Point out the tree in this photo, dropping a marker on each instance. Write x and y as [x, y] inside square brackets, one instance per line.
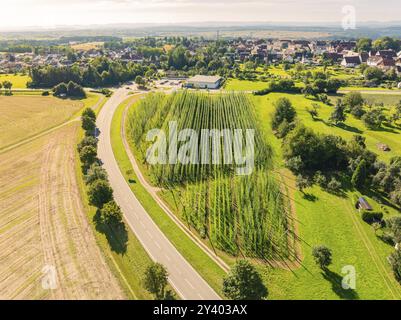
[334, 185]
[75, 90]
[376, 226]
[308, 91]
[386, 43]
[88, 112]
[353, 99]
[302, 183]
[111, 214]
[314, 111]
[88, 156]
[374, 118]
[333, 85]
[319, 86]
[140, 81]
[284, 111]
[338, 114]
[87, 141]
[155, 281]
[99, 193]
[244, 283]
[88, 125]
[364, 44]
[1, 86]
[60, 89]
[360, 175]
[395, 262]
[7, 86]
[373, 73]
[95, 172]
[322, 256]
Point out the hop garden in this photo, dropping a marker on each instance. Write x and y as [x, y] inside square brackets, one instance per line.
[241, 215]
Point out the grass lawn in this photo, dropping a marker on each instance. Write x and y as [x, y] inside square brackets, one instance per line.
[244, 85]
[206, 267]
[332, 220]
[25, 116]
[18, 81]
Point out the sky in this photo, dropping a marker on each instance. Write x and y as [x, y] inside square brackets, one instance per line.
[50, 13]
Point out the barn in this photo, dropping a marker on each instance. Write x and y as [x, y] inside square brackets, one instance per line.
[204, 82]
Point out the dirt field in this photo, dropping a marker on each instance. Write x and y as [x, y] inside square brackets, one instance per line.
[45, 236]
[23, 116]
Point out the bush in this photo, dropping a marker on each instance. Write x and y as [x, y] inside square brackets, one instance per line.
[45, 93]
[372, 216]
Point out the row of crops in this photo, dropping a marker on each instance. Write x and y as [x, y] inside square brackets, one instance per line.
[244, 215]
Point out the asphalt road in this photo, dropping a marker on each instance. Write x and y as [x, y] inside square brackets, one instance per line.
[182, 276]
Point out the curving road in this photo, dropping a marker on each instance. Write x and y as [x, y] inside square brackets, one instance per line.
[182, 276]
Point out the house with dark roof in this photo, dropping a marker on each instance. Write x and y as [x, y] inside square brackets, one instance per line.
[351, 61]
[364, 56]
[387, 54]
[386, 64]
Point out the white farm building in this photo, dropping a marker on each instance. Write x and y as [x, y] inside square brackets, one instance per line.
[204, 82]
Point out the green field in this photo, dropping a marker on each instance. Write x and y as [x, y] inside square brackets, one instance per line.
[332, 221]
[244, 85]
[18, 81]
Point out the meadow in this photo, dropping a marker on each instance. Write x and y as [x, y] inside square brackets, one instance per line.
[332, 220]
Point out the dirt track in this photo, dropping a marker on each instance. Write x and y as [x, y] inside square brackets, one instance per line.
[43, 225]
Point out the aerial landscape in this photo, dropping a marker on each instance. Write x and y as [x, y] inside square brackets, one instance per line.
[174, 151]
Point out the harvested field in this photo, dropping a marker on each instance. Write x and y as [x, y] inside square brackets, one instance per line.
[24, 116]
[44, 227]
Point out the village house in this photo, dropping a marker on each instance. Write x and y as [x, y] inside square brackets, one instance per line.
[386, 64]
[373, 61]
[351, 61]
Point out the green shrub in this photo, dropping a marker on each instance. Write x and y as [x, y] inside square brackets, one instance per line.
[372, 216]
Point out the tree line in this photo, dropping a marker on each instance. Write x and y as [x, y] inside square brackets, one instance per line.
[98, 73]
